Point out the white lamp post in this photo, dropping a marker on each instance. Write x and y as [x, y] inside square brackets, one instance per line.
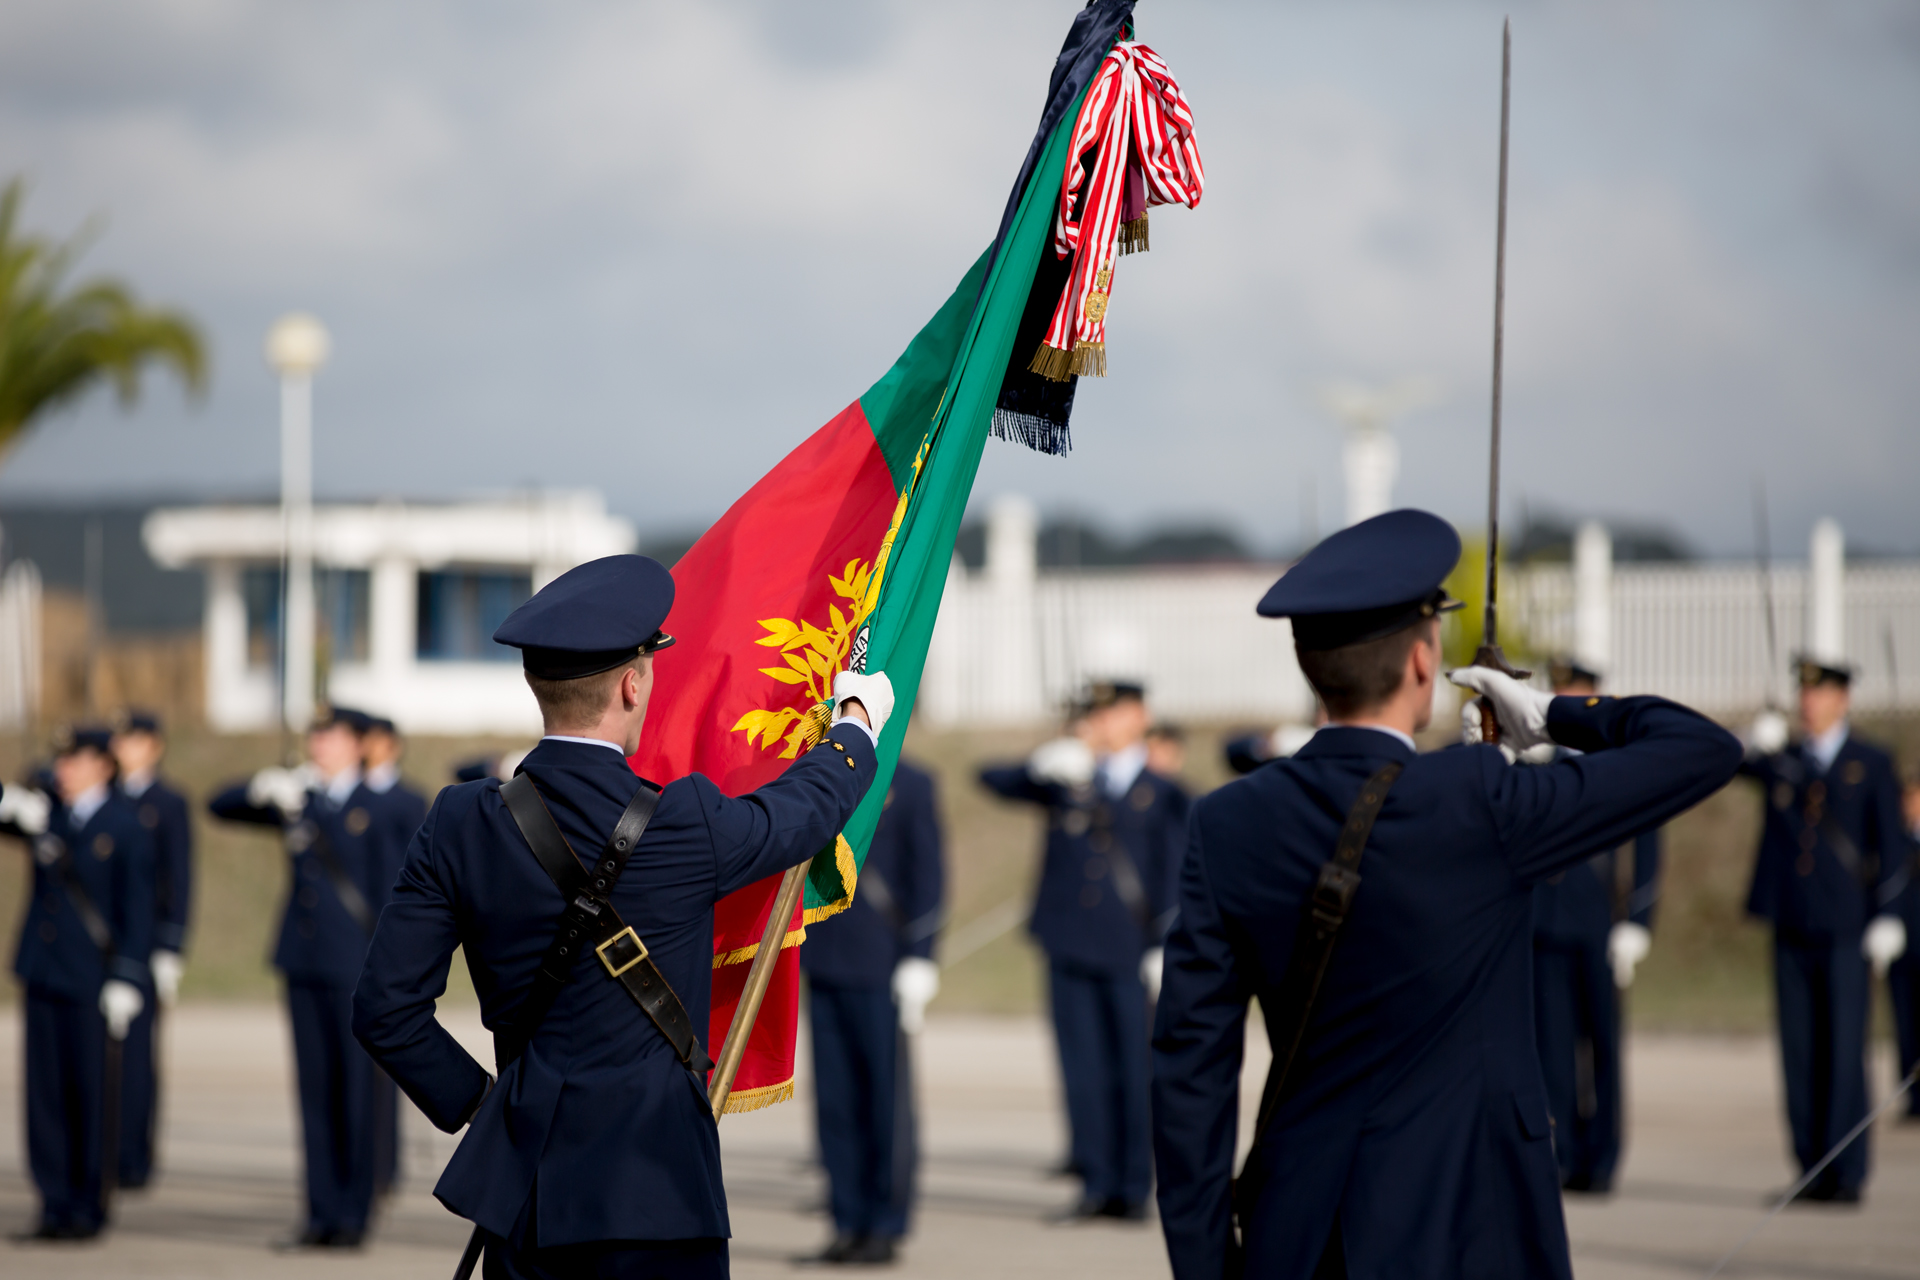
[1372, 456]
[297, 346]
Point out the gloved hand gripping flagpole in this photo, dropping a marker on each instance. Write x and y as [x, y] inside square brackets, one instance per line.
[1489, 653]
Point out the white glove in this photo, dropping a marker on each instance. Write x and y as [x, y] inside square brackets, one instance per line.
[1767, 735]
[1520, 709]
[1470, 730]
[1153, 963]
[875, 692]
[1067, 761]
[916, 980]
[26, 809]
[120, 1003]
[284, 789]
[167, 966]
[1287, 739]
[1884, 942]
[1627, 946]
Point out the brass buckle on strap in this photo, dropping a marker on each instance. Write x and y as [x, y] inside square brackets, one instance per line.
[630, 951]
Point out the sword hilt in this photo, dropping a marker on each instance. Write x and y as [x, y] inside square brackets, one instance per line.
[1492, 657]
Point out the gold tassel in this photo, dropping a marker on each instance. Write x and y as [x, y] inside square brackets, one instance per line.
[1052, 363]
[1133, 235]
[754, 1099]
[1090, 360]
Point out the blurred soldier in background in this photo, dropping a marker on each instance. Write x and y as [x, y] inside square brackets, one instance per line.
[1246, 752]
[397, 815]
[1831, 864]
[501, 766]
[138, 747]
[1167, 749]
[341, 878]
[870, 973]
[1587, 938]
[1106, 898]
[84, 945]
[1403, 1132]
[1903, 979]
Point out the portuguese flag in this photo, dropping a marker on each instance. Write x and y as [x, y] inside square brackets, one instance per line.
[848, 540]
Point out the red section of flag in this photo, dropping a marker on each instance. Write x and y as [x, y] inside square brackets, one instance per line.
[773, 558]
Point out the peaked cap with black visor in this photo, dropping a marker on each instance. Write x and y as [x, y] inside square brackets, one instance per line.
[1368, 581]
[592, 618]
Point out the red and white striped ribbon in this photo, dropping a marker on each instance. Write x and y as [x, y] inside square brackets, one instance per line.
[1137, 122]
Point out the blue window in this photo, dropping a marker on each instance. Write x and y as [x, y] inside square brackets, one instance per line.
[461, 608]
[340, 597]
[260, 588]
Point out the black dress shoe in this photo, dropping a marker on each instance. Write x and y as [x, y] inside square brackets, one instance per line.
[1086, 1210]
[874, 1251]
[47, 1232]
[838, 1253]
[308, 1239]
[1844, 1195]
[342, 1239]
[1124, 1210]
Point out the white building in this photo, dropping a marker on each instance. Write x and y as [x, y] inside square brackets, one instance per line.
[409, 595]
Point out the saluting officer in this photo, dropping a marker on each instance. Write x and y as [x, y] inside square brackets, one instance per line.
[139, 746]
[1105, 900]
[397, 814]
[342, 872]
[596, 1152]
[84, 945]
[1588, 936]
[1829, 872]
[1409, 1136]
[870, 974]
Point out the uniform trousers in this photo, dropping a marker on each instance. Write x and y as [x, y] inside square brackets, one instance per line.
[1903, 992]
[1100, 1022]
[1822, 987]
[1577, 1025]
[704, 1259]
[338, 1117]
[864, 1099]
[139, 1098]
[66, 1068]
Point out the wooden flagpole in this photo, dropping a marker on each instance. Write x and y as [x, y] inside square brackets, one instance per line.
[759, 977]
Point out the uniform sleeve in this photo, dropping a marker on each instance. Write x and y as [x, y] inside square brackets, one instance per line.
[793, 817]
[1013, 782]
[133, 915]
[1169, 849]
[1199, 1037]
[1646, 878]
[232, 805]
[925, 887]
[1643, 761]
[405, 973]
[173, 847]
[1887, 837]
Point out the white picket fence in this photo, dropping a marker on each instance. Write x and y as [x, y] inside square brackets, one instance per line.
[1012, 650]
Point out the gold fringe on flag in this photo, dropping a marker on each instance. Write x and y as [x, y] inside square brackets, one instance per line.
[1090, 359]
[754, 1099]
[1052, 363]
[1133, 235]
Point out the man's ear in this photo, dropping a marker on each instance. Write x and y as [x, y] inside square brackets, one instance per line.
[630, 688]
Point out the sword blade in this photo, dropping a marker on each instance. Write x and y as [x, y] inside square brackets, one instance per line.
[1764, 554]
[1490, 627]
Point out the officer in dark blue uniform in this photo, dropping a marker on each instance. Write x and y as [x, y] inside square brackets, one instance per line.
[397, 813]
[1903, 979]
[870, 973]
[1588, 935]
[596, 1152]
[342, 873]
[1410, 1135]
[1829, 874]
[84, 944]
[139, 746]
[1106, 898]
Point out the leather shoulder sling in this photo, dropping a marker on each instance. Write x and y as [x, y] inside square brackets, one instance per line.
[1321, 916]
[590, 922]
[343, 886]
[54, 854]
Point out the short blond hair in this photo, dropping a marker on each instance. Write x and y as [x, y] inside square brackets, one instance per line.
[579, 703]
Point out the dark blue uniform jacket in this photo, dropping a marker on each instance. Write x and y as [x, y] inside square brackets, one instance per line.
[163, 812]
[1833, 852]
[111, 856]
[1579, 906]
[895, 910]
[1415, 1113]
[597, 1122]
[320, 941]
[1093, 910]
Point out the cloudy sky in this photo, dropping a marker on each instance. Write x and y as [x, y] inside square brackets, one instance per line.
[648, 247]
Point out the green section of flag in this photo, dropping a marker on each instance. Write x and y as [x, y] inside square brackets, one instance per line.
[959, 414]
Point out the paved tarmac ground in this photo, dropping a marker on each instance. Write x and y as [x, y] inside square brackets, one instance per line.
[1706, 1149]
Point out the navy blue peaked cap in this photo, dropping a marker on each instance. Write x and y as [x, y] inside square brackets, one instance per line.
[592, 618]
[82, 737]
[345, 718]
[1367, 581]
